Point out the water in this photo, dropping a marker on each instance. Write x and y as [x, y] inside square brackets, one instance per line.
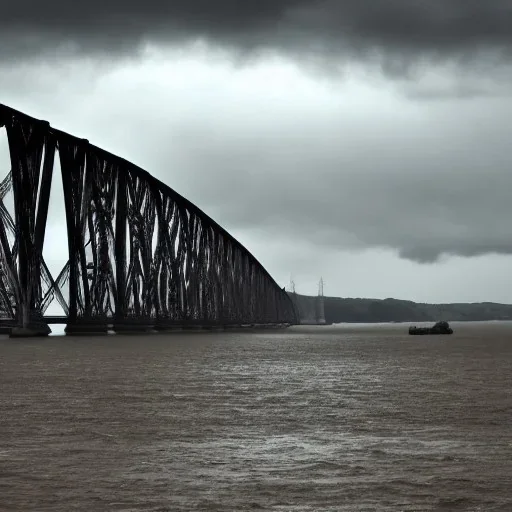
[344, 418]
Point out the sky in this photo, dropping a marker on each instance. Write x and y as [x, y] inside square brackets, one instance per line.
[364, 142]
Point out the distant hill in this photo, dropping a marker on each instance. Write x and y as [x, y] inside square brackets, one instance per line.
[393, 310]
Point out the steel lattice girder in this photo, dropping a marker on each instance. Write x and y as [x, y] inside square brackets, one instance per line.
[138, 250]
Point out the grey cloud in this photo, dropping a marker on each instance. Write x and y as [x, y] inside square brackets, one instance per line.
[436, 29]
[424, 181]
[445, 191]
[419, 220]
[431, 254]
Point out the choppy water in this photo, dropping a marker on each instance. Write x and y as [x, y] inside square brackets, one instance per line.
[310, 419]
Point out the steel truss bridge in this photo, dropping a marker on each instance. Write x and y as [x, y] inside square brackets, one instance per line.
[139, 254]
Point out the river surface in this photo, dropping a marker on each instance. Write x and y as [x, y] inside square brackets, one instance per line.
[342, 418]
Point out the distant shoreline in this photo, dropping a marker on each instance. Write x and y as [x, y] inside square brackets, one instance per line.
[350, 310]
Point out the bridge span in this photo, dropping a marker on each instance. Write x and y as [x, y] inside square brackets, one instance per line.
[139, 253]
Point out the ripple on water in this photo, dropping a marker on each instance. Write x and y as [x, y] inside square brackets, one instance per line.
[308, 419]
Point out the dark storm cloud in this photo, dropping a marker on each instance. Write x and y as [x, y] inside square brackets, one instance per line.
[404, 28]
[336, 168]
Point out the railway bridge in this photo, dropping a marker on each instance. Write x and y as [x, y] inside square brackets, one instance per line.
[139, 255]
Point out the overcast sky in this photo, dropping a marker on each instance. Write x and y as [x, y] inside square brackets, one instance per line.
[367, 142]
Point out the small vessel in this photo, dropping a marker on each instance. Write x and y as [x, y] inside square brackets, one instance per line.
[439, 328]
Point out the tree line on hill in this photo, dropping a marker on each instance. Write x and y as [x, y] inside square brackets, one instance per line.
[393, 310]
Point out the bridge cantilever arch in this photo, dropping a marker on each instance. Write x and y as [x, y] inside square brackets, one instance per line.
[140, 255]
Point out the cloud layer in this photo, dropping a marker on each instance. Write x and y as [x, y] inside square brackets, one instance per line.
[316, 176]
[270, 149]
[399, 29]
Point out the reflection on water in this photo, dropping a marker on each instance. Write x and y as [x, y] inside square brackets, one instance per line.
[329, 418]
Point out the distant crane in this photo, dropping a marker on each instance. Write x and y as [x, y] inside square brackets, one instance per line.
[320, 306]
[292, 284]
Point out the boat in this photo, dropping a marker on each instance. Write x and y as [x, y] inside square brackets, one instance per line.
[438, 328]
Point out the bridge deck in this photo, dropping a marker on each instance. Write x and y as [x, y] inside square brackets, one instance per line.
[53, 320]
[48, 319]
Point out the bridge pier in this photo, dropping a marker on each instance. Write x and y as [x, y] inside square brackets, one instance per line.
[197, 327]
[230, 327]
[29, 324]
[168, 328]
[30, 330]
[83, 328]
[164, 325]
[128, 326]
